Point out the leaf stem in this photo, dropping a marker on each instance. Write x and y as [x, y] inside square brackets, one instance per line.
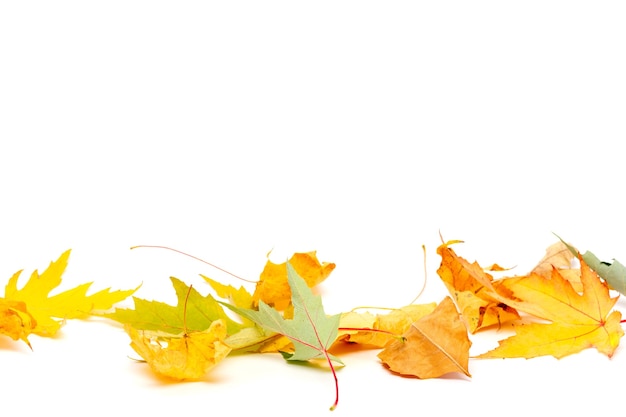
[185, 310]
[368, 329]
[332, 369]
[425, 278]
[194, 257]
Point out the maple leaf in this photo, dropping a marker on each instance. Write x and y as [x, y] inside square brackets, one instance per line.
[273, 286]
[433, 346]
[614, 273]
[578, 320]
[239, 297]
[43, 314]
[193, 312]
[474, 291]
[310, 330]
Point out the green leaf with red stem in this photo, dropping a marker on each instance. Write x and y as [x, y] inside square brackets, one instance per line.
[311, 330]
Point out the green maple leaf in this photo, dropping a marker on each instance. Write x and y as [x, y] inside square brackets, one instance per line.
[201, 311]
[613, 273]
[311, 330]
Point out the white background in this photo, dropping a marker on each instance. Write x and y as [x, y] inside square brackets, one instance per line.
[358, 129]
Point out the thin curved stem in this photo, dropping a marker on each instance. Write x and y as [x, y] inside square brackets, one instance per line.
[196, 258]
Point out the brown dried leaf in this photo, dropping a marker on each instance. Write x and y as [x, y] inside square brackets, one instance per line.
[434, 345]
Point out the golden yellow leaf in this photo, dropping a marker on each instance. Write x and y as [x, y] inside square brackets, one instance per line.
[354, 327]
[475, 292]
[434, 345]
[273, 287]
[188, 356]
[578, 320]
[352, 323]
[15, 321]
[50, 311]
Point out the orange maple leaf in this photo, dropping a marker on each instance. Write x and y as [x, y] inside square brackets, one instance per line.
[474, 290]
[578, 320]
[273, 286]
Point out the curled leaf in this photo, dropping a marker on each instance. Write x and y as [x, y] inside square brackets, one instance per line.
[15, 321]
[474, 291]
[186, 356]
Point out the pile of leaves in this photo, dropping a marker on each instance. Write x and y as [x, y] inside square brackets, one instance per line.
[562, 306]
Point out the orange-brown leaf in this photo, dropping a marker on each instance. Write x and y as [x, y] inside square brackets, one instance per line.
[475, 292]
[434, 345]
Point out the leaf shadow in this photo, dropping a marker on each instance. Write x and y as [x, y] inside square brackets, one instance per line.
[6, 343]
[453, 376]
[158, 380]
[318, 364]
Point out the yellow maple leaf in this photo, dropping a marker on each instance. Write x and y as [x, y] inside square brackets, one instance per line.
[187, 356]
[49, 311]
[433, 346]
[273, 286]
[577, 320]
[474, 290]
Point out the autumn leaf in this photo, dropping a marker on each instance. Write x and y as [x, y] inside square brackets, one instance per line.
[239, 297]
[15, 321]
[434, 345]
[189, 355]
[250, 338]
[379, 330]
[193, 312]
[577, 320]
[614, 273]
[474, 291]
[273, 286]
[559, 256]
[310, 330]
[179, 342]
[42, 313]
